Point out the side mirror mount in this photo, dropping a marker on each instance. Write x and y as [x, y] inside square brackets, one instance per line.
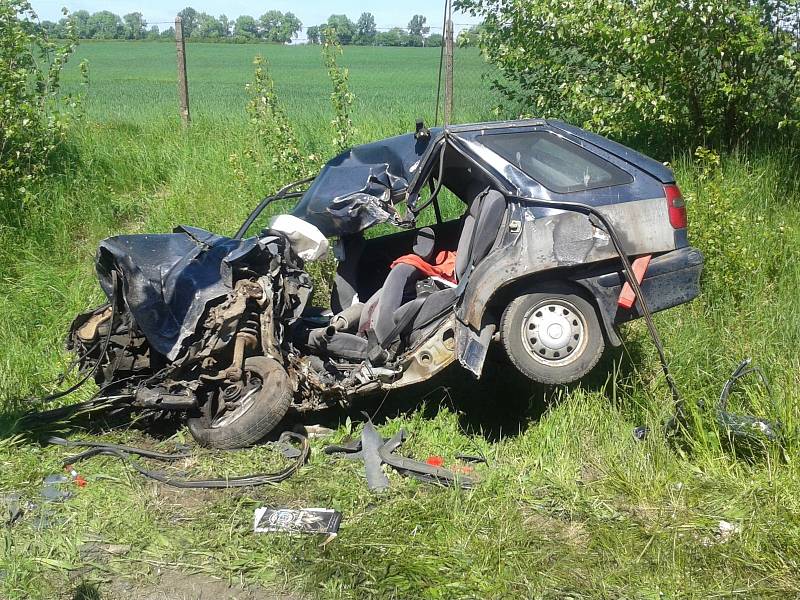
[422, 132]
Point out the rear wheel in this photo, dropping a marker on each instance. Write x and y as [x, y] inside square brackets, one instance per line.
[240, 414]
[552, 336]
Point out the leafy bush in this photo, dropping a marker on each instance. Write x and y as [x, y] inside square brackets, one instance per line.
[711, 72]
[744, 250]
[341, 96]
[34, 116]
[271, 125]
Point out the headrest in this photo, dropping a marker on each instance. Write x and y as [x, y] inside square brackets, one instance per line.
[424, 242]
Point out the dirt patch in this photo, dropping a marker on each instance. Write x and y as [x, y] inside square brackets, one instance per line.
[572, 533]
[177, 585]
[183, 502]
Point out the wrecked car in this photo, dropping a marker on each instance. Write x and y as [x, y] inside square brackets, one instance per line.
[222, 329]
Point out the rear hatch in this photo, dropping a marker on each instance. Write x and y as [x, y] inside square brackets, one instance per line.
[645, 163]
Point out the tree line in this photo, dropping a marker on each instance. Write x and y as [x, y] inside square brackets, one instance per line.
[273, 26]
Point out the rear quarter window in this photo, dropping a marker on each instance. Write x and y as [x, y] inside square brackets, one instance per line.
[556, 163]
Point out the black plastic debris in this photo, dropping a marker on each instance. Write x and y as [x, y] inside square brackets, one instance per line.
[376, 451]
[371, 443]
[744, 433]
[293, 446]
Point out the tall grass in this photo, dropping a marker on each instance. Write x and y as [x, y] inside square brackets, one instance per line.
[569, 504]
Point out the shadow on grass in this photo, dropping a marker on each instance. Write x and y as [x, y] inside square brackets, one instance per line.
[502, 403]
[87, 591]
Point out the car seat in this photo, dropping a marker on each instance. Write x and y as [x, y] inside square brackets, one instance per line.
[392, 304]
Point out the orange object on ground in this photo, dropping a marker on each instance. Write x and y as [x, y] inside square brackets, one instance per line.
[626, 296]
[435, 461]
[444, 265]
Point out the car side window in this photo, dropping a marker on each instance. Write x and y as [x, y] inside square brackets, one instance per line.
[555, 162]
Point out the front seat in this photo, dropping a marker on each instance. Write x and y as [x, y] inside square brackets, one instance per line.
[479, 232]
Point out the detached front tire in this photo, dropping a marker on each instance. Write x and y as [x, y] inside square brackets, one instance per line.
[250, 412]
[552, 336]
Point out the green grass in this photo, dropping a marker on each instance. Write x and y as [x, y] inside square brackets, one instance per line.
[135, 82]
[569, 504]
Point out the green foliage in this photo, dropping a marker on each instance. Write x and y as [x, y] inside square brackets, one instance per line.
[365, 30]
[341, 96]
[34, 115]
[246, 27]
[273, 26]
[279, 27]
[340, 27]
[470, 38]
[713, 72]
[743, 249]
[313, 35]
[105, 25]
[189, 20]
[417, 27]
[271, 125]
[135, 26]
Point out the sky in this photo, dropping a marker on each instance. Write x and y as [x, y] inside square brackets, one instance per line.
[310, 12]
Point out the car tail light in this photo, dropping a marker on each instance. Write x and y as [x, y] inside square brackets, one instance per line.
[676, 206]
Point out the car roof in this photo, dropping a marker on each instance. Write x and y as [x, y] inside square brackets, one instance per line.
[356, 189]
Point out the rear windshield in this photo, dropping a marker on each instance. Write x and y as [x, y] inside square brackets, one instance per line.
[554, 162]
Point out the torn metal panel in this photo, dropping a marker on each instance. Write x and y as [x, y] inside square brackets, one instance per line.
[534, 246]
[170, 279]
[358, 188]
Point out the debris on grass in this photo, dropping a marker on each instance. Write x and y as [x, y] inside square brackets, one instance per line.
[306, 520]
[12, 508]
[376, 451]
[51, 492]
[725, 531]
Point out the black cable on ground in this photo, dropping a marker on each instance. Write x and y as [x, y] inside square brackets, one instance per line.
[106, 341]
[124, 454]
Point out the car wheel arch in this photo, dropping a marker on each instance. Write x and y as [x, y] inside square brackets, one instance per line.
[506, 294]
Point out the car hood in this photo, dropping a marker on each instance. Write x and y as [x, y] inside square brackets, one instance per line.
[168, 280]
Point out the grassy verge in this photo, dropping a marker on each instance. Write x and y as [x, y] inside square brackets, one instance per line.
[569, 504]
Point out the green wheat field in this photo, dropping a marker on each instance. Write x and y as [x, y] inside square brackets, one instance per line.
[569, 504]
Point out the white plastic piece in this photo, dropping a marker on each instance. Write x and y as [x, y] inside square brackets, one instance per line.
[307, 241]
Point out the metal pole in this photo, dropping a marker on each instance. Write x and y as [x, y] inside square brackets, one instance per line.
[183, 83]
[448, 68]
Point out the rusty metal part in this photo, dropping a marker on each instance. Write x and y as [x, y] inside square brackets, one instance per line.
[244, 339]
[429, 358]
[223, 321]
[88, 331]
[269, 342]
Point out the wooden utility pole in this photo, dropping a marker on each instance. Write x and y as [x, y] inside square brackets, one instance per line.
[183, 83]
[448, 66]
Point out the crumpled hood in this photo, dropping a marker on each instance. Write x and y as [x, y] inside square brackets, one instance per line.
[168, 280]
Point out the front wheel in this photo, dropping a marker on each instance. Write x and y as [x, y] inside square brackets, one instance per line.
[552, 336]
[240, 414]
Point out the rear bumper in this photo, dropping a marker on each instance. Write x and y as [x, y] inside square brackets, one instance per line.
[671, 279]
